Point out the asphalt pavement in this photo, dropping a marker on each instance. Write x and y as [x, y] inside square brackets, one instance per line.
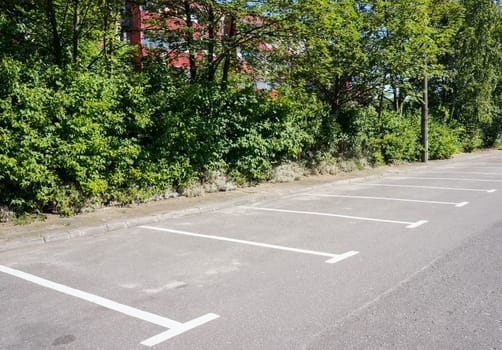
[406, 258]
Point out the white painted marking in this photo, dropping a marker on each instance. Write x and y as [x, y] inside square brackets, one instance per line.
[333, 257]
[389, 199]
[342, 257]
[471, 167]
[445, 178]
[175, 326]
[106, 303]
[407, 223]
[418, 223]
[466, 172]
[432, 187]
[162, 337]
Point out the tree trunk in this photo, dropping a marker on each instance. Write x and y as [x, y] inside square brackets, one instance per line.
[211, 69]
[380, 104]
[107, 43]
[76, 31]
[189, 40]
[56, 39]
[396, 99]
[228, 54]
[424, 121]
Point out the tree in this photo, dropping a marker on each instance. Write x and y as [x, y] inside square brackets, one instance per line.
[330, 62]
[475, 67]
[404, 42]
[214, 35]
[59, 32]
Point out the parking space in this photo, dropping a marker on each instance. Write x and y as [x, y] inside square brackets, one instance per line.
[474, 167]
[467, 173]
[416, 191]
[391, 199]
[78, 309]
[332, 258]
[268, 275]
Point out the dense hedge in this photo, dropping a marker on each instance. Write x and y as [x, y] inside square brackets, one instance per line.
[69, 139]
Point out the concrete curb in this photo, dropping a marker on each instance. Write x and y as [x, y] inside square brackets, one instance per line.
[111, 226]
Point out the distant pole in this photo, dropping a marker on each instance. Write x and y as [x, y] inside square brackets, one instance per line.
[425, 118]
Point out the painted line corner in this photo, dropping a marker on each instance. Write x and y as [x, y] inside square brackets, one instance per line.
[184, 327]
[341, 257]
[417, 224]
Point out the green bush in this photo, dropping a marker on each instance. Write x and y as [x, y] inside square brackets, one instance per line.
[27, 142]
[241, 130]
[443, 140]
[391, 137]
[73, 138]
[66, 137]
[384, 138]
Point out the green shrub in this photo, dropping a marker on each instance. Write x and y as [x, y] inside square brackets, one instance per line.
[66, 137]
[74, 138]
[246, 130]
[391, 137]
[384, 138]
[443, 140]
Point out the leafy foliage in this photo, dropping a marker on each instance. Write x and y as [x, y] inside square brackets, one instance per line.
[82, 124]
[71, 136]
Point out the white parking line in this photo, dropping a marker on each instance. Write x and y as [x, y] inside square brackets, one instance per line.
[466, 172]
[162, 337]
[407, 223]
[175, 327]
[433, 187]
[471, 167]
[334, 258]
[445, 178]
[458, 205]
